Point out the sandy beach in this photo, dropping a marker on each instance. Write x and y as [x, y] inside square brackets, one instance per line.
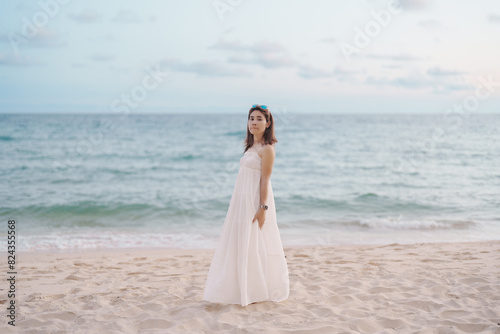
[395, 288]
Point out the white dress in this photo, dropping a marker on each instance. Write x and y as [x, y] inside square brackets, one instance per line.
[249, 263]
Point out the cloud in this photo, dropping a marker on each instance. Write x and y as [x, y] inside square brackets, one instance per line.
[414, 4]
[208, 68]
[392, 66]
[494, 18]
[126, 16]
[264, 53]
[452, 86]
[440, 84]
[267, 47]
[329, 40]
[27, 7]
[272, 55]
[258, 47]
[430, 24]
[409, 82]
[17, 60]
[86, 16]
[436, 71]
[120, 70]
[273, 61]
[225, 45]
[264, 60]
[229, 30]
[310, 72]
[108, 37]
[400, 57]
[102, 57]
[46, 38]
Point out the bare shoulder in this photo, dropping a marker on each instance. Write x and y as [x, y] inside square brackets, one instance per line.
[268, 150]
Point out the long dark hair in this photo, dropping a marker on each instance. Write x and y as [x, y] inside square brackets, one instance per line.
[268, 136]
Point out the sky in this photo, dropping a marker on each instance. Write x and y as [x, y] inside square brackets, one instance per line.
[222, 56]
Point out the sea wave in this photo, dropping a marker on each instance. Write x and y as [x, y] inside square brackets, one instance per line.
[412, 224]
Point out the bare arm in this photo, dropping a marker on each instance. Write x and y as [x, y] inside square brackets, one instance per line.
[268, 155]
[267, 167]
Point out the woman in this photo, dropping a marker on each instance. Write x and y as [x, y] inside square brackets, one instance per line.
[249, 263]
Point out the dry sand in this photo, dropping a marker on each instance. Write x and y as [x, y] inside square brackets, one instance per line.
[417, 288]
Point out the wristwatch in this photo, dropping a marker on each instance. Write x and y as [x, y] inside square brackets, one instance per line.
[263, 206]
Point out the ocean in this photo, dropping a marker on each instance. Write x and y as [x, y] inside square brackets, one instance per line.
[74, 182]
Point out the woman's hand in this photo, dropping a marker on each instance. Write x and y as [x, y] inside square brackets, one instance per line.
[260, 216]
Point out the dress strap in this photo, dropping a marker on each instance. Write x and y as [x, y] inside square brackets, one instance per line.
[260, 148]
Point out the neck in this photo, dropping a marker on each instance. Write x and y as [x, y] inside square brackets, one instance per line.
[257, 140]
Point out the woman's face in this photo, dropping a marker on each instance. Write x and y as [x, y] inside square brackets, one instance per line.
[257, 122]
